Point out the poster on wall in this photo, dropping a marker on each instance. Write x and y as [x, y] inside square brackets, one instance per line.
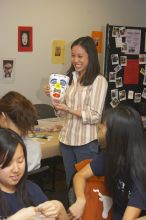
[7, 72]
[97, 37]
[58, 47]
[25, 43]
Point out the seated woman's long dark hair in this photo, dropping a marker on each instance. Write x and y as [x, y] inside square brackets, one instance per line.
[126, 148]
[9, 141]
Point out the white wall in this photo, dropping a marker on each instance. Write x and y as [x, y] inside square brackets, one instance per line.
[54, 20]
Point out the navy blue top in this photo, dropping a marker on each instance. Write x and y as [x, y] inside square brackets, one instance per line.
[136, 196]
[35, 193]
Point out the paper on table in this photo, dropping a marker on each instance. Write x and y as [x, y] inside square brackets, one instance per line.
[51, 123]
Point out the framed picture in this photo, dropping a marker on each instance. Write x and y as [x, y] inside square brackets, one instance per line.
[7, 70]
[25, 39]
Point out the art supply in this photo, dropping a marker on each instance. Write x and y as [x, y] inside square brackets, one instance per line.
[58, 85]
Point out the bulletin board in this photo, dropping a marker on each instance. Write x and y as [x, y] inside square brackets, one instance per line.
[125, 66]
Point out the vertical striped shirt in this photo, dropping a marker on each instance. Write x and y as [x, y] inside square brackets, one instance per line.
[90, 101]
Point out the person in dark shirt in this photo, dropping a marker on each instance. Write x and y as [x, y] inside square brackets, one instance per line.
[16, 192]
[123, 163]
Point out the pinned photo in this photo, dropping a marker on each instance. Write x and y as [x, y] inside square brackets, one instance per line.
[115, 32]
[114, 59]
[114, 103]
[144, 80]
[137, 98]
[123, 60]
[144, 93]
[118, 41]
[143, 70]
[119, 82]
[114, 93]
[112, 76]
[130, 94]
[122, 95]
[142, 58]
[124, 47]
[117, 68]
[122, 31]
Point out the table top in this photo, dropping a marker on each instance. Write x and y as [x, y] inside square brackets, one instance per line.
[47, 134]
[50, 146]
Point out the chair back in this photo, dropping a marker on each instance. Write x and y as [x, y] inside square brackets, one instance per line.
[45, 111]
[97, 197]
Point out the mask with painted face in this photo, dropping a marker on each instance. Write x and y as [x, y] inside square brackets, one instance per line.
[58, 85]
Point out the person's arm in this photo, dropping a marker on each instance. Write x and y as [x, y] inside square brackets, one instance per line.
[65, 108]
[136, 202]
[24, 214]
[142, 218]
[97, 101]
[131, 213]
[79, 182]
[53, 209]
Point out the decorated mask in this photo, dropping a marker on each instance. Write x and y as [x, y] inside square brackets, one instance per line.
[58, 85]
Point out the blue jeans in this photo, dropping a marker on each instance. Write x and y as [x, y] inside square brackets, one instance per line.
[74, 154]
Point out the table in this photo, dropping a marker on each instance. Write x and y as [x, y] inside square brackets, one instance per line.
[49, 129]
[50, 146]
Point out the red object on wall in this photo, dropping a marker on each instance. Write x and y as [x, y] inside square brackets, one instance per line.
[25, 39]
[131, 72]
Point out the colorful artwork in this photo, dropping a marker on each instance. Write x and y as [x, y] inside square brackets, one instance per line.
[58, 85]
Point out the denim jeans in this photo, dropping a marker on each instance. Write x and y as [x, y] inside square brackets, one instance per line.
[74, 154]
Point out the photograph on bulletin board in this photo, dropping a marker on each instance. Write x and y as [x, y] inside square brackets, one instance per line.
[25, 39]
[97, 37]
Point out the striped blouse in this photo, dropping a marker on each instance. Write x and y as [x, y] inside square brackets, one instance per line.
[90, 101]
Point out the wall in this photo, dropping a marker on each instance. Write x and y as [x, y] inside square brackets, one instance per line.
[54, 20]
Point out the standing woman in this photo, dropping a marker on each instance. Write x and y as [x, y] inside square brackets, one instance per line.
[83, 105]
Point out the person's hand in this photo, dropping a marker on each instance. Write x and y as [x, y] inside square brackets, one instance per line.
[50, 208]
[60, 106]
[24, 214]
[76, 210]
[47, 89]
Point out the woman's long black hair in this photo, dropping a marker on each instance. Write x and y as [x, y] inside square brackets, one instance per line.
[9, 141]
[93, 69]
[126, 148]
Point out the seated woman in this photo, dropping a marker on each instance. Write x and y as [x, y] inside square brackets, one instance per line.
[19, 114]
[16, 192]
[123, 163]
